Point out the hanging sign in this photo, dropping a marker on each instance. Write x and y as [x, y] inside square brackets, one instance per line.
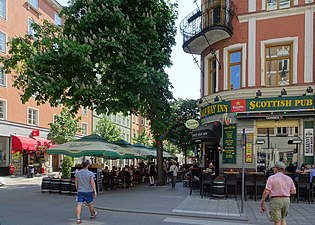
[191, 124]
[308, 142]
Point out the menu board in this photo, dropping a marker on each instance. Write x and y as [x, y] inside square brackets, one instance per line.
[229, 144]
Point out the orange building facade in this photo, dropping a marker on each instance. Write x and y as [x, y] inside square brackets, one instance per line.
[257, 81]
[24, 127]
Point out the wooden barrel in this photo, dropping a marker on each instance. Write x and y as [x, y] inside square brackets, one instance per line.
[65, 186]
[218, 188]
[46, 184]
[55, 185]
[73, 188]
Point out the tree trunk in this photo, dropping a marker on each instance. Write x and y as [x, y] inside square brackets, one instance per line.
[159, 153]
[185, 153]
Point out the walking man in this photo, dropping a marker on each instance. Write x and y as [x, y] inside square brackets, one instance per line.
[279, 187]
[174, 170]
[84, 182]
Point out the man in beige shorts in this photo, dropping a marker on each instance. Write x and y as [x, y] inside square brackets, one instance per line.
[279, 187]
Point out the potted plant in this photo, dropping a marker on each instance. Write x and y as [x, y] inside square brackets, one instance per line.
[66, 165]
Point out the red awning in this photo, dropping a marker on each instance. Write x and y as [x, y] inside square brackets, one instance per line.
[30, 144]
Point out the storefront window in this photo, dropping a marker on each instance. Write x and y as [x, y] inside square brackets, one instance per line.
[4, 151]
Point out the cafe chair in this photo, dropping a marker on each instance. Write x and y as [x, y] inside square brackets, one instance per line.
[106, 181]
[260, 184]
[231, 184]
[195, 182]
[303, 188]
[249, 185]
[206, 184]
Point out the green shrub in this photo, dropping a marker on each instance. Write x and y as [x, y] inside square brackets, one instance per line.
[66, 165]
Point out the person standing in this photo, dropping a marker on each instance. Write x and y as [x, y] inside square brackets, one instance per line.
[86, 190]
[174, 169]
[152, 173]
[279, 187]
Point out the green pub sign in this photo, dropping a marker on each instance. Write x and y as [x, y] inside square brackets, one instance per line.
[229, 144]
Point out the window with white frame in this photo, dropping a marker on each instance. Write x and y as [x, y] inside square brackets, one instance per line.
[30, 29]
[84, 128]
[278, 61]
[84, 111]
[128, 122]
[55, 118]
[234, 69]
[278, 4]
[3, 8]
[57, 19]
[2, 109]
[33, 3]
[2, 42]
[2, 77]
[127, 137]
[212, 75]
[32, 116]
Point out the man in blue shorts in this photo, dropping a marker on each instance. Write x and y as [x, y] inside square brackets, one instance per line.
[84, 182]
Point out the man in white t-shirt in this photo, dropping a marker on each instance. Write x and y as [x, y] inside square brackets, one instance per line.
[174, 169]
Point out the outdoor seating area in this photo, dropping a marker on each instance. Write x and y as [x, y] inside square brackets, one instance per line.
[229, 185]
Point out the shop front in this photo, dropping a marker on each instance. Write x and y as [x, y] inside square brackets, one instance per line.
[279, 128]
[26, 151]
[207, 138]
[4, 155]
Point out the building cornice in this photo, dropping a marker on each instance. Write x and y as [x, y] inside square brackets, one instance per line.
[264, 15]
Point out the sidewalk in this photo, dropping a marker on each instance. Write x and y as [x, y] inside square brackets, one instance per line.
[163, 200]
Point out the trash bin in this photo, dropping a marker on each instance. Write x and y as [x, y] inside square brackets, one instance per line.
[30, 173]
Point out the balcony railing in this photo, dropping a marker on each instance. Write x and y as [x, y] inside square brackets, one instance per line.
[206, 17]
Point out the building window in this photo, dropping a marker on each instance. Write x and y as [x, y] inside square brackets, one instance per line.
[278, 4]
[84, 111]
[234, 69]
[55, 118]
[128, 122]
[32, 116]
[278, 65]
[142, 121]
[2, 42]
[84, 128]
[33, 3]
[30, 29]
[128, 137]
[212, 76]
[282, 131]
[2, 77]
[57, 19]
[2, 109]
[3, 8]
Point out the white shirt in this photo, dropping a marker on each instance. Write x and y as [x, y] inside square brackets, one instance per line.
[174, 168]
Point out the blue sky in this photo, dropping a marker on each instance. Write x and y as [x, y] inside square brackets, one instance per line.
[184, 74]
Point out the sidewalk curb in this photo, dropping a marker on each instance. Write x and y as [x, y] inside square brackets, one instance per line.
[220, 217]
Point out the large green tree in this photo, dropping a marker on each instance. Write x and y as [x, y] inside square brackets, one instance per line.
[107, 129]
[110, 55]
[178, 133]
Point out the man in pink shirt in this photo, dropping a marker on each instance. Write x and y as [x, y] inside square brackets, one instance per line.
[279, 187]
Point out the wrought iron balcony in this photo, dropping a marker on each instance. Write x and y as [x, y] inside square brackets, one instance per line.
[210, 23]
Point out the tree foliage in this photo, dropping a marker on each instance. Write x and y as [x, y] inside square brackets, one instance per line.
[178, 133]
[108, 130]
[64, 128]
[109, 55]
[142, 138]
